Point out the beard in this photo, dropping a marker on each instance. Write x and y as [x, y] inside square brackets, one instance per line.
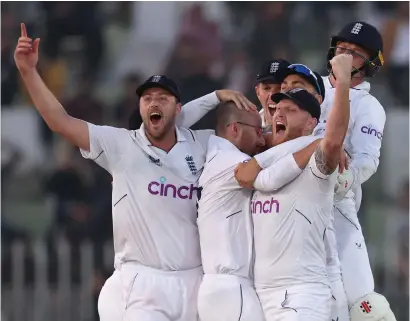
[158, 132]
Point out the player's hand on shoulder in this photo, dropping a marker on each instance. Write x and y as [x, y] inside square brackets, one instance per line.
[342, 67]
[225, 95]
[26, 53]
[246, 173]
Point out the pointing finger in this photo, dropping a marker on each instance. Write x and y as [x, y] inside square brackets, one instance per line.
[23, 30]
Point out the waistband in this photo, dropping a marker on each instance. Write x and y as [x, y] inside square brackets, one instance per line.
[141, 269]
[228, 279]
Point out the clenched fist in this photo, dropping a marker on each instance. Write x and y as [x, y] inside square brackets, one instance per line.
[342, 67]
[26, 53]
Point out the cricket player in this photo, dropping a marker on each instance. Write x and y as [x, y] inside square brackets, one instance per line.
[289, 223]
[155, 171]
[300, 76]
[363, 142]
[224, 222]
[268, 82]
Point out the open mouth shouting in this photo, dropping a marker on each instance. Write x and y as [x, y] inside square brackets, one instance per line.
[280, 128]
[155, 117]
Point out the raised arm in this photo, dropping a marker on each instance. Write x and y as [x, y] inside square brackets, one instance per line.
[53, 113]
[327, 155]
[193, 111]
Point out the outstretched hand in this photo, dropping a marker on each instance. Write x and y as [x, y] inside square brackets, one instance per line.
[26, 53]
[225, 95]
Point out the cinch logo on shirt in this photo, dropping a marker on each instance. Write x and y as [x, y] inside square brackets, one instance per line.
[270, 206]
[170, 190]
[371, 131]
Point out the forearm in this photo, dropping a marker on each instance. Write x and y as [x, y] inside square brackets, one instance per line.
[44, 101]
[328, 153]
[193, 111]
[277, 175]
[54, 114]
[273, 154]
[338, 121]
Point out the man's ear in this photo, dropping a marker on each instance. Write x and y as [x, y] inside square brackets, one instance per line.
[312, 123]
[178, 108]
[257, 90]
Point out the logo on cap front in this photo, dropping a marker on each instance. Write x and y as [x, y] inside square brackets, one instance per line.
[274, 66]
[156, 78]
[295, 90]
[356, 28]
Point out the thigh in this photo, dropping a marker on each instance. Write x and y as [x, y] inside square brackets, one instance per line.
[357, 275]
[189, 298]
[339, 307]
[311, 303]
[110, 302]
[219, 302]
[251, 309]
[274, 305]
[150, 297]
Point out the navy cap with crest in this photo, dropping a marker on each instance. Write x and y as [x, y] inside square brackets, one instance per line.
[302, 98]
[272, 71]
[160, 81]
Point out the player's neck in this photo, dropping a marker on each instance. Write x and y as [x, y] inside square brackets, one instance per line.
[166, 142]
[355, 81]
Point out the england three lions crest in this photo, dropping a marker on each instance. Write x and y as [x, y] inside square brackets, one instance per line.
[191, 164]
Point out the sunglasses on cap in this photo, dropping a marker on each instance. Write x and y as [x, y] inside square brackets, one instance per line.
[302, 69]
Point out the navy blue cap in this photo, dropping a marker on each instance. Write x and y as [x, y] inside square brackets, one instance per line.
[302, 98]
[272, 71]
[160, 81]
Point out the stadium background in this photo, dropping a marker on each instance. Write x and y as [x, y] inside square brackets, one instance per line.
[56, 207]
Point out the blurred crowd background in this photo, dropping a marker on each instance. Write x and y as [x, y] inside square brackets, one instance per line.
[56, 228]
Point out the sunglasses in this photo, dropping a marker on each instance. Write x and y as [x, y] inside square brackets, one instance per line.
[302, 69]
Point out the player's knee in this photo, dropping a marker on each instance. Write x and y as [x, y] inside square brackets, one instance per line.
[372, 307]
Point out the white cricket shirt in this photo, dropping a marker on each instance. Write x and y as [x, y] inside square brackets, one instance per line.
[289, 226]
[364, 135]
[224, 221]
[154, 195]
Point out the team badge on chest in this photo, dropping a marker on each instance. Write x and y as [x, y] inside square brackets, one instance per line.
[191, 164]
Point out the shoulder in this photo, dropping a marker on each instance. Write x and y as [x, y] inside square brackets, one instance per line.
[195, 136]
[368, 104]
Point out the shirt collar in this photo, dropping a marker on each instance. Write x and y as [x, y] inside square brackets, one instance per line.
[216, 143]
[180, 135]
[365, 85]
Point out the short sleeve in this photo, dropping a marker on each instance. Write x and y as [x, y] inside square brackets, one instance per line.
[106, 145]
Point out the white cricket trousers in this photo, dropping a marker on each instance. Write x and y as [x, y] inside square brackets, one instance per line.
[339, 307]
[135, 292]
[357, 274]
[224, 297]
[307, 302]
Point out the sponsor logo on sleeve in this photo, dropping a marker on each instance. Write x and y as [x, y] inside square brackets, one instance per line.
[369, 130]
